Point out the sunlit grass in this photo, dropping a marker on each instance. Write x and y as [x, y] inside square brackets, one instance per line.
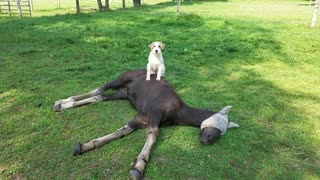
[267, 71]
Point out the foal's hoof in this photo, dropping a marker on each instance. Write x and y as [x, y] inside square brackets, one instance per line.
[136, 174]
[77, 149]
[57, 106]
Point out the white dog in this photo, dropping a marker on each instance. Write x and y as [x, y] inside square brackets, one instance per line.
[155, 61]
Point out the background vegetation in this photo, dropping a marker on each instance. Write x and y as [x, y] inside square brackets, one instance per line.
[261, 58]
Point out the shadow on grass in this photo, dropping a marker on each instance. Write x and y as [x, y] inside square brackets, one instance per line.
[208, 62]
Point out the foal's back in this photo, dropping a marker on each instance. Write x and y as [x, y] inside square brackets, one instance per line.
[154, 95]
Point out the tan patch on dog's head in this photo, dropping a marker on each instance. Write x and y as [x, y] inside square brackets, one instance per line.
[157, 44]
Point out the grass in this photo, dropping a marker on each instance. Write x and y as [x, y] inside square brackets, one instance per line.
[268, 71]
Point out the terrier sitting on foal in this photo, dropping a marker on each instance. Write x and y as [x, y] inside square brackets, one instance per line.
[155, 61]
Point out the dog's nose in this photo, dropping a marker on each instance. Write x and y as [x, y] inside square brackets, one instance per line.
[156, 51]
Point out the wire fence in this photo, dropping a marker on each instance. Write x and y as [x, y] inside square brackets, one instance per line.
[57, 4]
[297, 12]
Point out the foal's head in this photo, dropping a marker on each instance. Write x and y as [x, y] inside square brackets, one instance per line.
[216, 125]
[209, 135]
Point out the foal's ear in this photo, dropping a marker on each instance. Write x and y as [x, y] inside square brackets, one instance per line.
[233, 125]
[225, 110]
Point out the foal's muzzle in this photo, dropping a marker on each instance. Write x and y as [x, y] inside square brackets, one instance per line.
[209, 135]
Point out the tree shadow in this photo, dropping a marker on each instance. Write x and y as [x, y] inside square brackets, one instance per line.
[208, 62]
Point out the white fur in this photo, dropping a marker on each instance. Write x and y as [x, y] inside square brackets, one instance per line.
[155, 61]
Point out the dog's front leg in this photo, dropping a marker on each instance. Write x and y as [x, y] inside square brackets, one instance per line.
[160, 72]
[148, 71]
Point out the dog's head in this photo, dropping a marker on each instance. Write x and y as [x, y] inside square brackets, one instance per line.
[157, 47]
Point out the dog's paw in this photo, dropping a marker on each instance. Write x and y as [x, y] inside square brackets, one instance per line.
[158, 79]
[148, 79]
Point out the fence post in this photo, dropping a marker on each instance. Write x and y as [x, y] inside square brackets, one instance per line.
[315, 14]
[58, 4]
[9, 8]
[31, 4]
[19, 8]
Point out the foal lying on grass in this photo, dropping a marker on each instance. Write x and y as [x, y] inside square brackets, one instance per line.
[157, 104]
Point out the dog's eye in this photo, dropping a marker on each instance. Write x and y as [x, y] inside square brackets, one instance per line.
[159, 46]
[154, 45]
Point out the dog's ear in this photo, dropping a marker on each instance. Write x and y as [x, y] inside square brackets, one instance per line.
[151, 45]
[162, 45]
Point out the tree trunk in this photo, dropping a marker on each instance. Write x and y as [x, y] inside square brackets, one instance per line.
[178, 7]
[106, 7]
[123, 3]
[19, 8]
[137, 2]
[315, 14]
[78, 6]
[99, 5]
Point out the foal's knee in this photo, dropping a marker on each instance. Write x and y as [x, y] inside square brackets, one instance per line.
[97, 91]
[153, 132]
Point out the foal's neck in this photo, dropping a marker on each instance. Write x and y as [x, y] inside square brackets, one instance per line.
[190, 116]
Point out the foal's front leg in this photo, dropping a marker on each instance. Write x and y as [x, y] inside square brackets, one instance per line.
[141, 161]
[96, 143]
[136, 123]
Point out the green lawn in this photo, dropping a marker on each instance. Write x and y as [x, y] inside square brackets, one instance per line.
[261, 58]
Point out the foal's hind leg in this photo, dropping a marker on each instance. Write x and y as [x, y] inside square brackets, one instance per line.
[141, 161]
[88, 98]
[68, 103]
[93, 96]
